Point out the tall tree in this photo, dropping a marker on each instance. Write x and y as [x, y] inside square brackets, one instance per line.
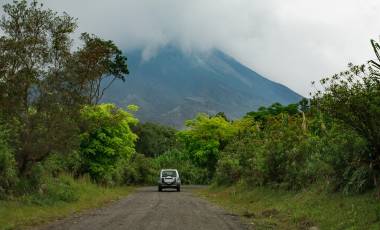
[97, 65]
[43, 84]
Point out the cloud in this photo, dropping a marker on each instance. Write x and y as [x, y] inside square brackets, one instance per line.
[289, 41]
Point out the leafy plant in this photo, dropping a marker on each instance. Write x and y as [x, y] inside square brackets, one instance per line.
[107, 141]
[154, 139]
[203, 139]
[8, 172]
[353, 98]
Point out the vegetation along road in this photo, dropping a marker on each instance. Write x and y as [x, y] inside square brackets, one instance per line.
[149, 209]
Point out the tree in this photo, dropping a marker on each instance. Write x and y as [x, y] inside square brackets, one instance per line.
[43, 84]
[97, 65]
[33, 51]
[107, 141]
[263, 113]
[35, 47]
[154, 139]
[222, 115]
[304, 105]
[204, 138]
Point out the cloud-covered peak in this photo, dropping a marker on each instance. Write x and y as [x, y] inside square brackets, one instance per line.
[290, 41]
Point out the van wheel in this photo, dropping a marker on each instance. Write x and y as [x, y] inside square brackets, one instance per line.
[178, 188]
[159, 189]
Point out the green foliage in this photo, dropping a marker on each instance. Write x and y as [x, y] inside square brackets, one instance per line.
[133, 108]
[57, 164]
[140, 170]
[33, 181]
[33, 49]
[99, 63]
[203, 139]
[44, 84]
[353, 99]
[8, 173]
[275, 109]
[375, 65]
[290, 152]
[278, 154]
[222, 115]
[53, 190]
[107, 141]
[228, 170]
[342, 149]
[154, 139]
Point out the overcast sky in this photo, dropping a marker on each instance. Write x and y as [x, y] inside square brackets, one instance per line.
[289, 41]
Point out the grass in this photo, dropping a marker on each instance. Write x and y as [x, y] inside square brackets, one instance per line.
[23, 212]
[266, 208]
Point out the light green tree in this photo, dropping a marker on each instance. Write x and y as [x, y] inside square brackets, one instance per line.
[204, 137]
[107, 142]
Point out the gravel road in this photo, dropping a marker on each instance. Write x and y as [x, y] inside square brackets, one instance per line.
[148, 209]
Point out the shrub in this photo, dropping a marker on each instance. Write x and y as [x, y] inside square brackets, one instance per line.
[8, 172]
[344, 150]
[228, 170]
[140, 170]
[278, 154]
[53, 190]
[33, 181]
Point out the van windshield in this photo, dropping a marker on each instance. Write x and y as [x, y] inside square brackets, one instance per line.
[171, 173]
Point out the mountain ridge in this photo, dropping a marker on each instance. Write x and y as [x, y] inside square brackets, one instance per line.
[173, 86]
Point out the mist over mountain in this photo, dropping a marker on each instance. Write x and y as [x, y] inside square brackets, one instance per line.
[173, 86]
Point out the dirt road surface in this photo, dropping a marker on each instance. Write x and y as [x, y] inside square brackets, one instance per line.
[147, 209]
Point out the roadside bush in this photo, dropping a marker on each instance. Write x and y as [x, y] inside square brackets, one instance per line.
[290, 152]
[57, 164]
[42, 188]
[33, 181]
[140, 170]
[278, 154]
[191, 174]
[55, 189]
[345, 151]
[8, 172]
[228, 170]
